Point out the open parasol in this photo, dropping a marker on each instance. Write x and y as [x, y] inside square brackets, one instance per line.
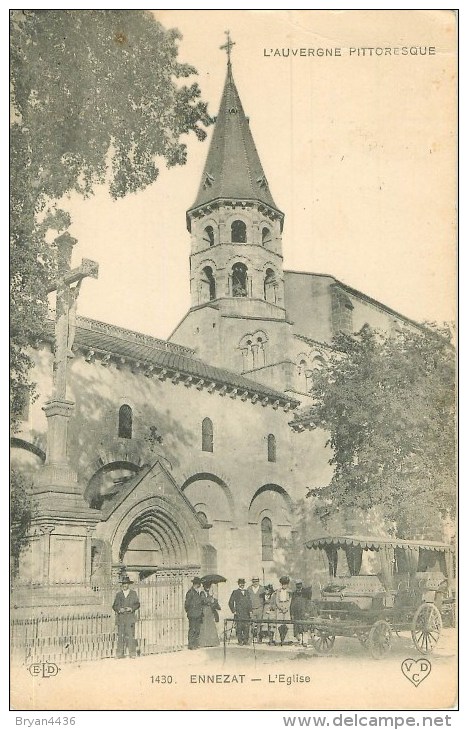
[213, 578]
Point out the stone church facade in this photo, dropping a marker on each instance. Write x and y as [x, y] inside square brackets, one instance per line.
[187, 453]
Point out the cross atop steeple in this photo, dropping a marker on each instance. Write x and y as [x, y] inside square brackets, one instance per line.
[227, 46]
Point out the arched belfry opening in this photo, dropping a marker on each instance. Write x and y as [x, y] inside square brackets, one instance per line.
[238, 232]
[266, 236]
[270, 286]
[209, 236]
[239, 280]
[207, 285]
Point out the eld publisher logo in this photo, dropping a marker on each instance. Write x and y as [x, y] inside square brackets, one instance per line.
[44, 669]
[416, 670]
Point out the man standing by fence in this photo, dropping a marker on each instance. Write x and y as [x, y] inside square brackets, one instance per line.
[125, 604]
[195, 599]
[241, 606]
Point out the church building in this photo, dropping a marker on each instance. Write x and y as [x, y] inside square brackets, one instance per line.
[189, 454]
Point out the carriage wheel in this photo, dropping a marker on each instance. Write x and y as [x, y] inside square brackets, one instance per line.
[426, 627]
[379, 640]
[323, 642]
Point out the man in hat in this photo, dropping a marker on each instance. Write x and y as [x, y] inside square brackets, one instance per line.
[241, 606]
[300, 610]
[125, 604]
[195, 599]
[257, 599]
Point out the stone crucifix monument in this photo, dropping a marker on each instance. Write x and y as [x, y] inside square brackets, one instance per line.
[57, 472]
[63, 524]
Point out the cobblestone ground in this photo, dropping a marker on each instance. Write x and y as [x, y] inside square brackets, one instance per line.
[287, 678]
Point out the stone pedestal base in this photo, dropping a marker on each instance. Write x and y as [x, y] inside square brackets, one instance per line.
[59, 550]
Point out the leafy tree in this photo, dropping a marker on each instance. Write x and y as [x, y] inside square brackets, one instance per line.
[21, 514]
[388, 403]
[97, 96]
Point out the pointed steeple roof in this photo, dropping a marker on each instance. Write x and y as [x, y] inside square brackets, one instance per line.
[233, 169]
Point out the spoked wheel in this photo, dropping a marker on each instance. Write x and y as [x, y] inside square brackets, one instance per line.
[323, 642]
[426, 628]
[379, 641]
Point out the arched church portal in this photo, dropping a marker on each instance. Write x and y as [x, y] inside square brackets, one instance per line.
[154, 539]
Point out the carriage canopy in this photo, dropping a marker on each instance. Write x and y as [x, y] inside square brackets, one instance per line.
[396, 556]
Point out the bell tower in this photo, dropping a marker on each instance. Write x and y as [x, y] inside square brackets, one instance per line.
[237, 317]
[235, 225]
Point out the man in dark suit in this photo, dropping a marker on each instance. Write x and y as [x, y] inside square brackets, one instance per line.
[300, 610]
[241, 606]
[125, 604]
[195, 599]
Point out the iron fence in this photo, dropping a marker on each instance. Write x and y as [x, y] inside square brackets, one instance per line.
[56, 624]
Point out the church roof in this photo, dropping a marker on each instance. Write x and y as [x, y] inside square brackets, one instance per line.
[165, 360]
[233, 169]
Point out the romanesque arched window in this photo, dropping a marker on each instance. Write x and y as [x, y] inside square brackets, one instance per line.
[267, 539]
[318, 362]
[239, 280]
[238, 232]
[259, 354]
[247, 354]
[208, 235]
[254, 350]
[266, 236]
[269, 286]
[207, 285]
[271, 447]
[125, 422]
[207, 434]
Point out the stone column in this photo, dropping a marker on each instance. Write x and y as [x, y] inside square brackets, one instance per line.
[57, 473]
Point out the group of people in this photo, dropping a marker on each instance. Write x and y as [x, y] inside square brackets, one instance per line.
[258, 611]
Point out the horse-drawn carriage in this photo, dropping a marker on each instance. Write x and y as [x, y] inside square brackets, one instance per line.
[390, 586]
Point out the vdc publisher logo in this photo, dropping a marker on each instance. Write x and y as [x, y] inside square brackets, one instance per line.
[416, 670]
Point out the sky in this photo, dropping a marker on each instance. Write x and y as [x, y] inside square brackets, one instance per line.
[359, 152]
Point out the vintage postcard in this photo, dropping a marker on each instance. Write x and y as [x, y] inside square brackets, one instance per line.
[234, 292]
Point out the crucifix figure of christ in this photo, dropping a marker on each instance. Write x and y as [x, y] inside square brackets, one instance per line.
[67, 285]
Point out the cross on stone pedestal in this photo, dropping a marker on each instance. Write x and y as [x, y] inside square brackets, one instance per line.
[56, 473]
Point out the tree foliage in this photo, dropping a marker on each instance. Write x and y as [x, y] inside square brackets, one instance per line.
[97, 96]
[388, 403]
[21, 514]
